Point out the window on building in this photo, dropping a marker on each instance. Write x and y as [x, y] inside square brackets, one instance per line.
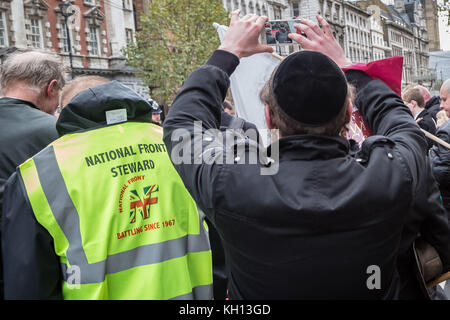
[251, 8]
[228, 5]
[337, 13]
[243, 8]
[64, 38]
[3, 34]
[129, 35]
[258, 9]
[277, 12]
[35, 33]
[126, 4]
[295, 9]
[93, 40]
[264, 11]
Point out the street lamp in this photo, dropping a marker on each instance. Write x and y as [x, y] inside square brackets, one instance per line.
[66, 13]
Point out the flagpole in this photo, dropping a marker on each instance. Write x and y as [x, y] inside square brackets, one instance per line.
[433, 137]
[436, 139]
[440, 279]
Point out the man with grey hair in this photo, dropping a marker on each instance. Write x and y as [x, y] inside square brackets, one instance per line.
[440, 157]
[439, 154]
[30, 84]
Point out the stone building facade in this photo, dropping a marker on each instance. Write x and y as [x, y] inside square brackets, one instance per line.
[98, 30]
[405, 34]
[367, 30]
[432, 24]
[358, 44]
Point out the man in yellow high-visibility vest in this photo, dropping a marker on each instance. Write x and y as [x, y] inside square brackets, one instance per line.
[101, 213]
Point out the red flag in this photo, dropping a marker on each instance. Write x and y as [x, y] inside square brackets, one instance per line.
[389, 71]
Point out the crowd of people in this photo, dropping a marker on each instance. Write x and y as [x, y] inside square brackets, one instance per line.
[112, 199]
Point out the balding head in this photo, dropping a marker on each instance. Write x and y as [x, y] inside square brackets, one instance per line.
[446, 86]
[425, 93]
[79, 84]
[33, 76]
[445, 97]
[33, 69]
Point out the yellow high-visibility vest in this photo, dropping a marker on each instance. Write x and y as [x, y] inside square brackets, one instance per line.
[124, 226]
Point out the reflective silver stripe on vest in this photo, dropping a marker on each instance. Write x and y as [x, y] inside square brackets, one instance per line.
[67, 218]
[197, 293]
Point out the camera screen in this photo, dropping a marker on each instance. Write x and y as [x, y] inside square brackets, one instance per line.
[276, 31]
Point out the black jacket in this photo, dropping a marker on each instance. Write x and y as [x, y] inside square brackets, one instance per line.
[440, 160]
[316, 227]
[433, 106]
[427, 123]
[428, 219]
[31, 267]
[24, 131]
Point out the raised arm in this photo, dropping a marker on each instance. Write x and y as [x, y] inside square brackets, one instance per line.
[383, 110]
[197, 108]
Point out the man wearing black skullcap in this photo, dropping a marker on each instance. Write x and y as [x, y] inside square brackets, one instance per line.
[313, 223]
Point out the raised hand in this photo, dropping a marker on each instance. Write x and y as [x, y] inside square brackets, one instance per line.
[241, 38]
[321, 40]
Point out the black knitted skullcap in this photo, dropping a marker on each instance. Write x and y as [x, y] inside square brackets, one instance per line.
[310, 87]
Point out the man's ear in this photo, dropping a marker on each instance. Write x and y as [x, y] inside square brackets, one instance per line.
[52, 88]
[268, 118]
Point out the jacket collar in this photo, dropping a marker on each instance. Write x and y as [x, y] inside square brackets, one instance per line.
[310, 147]
[9, 100]
[421, 114]
[433, 101]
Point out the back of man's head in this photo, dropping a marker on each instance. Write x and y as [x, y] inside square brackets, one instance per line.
[425, 93]
[77, 85]
[446, 86]
[415, 94]
[307, 94]
[32, 69]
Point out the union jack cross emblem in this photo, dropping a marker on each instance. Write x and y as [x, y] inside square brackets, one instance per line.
[142, 205]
